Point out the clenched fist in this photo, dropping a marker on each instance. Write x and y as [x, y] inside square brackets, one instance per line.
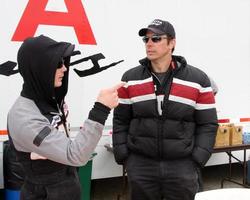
[109, 96]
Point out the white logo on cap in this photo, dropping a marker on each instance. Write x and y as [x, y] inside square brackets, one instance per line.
[156, 22]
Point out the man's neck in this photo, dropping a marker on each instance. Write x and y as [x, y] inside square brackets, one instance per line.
[160, 66]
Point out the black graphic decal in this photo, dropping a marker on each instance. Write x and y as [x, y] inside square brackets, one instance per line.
[7, 68]
[96, 67]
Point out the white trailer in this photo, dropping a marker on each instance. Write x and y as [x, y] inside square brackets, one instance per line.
[212, 35]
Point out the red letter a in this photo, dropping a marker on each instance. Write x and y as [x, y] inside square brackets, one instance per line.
[36, 14]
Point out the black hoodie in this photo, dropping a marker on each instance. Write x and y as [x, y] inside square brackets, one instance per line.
[29, 119]
[38, 59]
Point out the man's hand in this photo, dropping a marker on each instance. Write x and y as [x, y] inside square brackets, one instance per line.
[109, 96]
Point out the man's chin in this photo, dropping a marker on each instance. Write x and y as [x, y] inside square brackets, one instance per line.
[58, 85]
[151, 57]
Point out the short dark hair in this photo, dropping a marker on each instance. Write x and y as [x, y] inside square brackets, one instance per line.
[169, 38]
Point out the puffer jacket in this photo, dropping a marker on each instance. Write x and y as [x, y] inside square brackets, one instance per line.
[187, 125]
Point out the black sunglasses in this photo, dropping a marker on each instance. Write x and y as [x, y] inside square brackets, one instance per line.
[61, 63]
[154, 38]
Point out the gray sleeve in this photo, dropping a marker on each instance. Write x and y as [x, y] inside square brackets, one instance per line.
[71, 152]
[55, 146]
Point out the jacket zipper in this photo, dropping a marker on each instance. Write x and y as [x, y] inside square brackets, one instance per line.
[164, 110]
[160, 121]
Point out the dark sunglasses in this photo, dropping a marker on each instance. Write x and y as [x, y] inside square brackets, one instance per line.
[154, 38]
[61, 63]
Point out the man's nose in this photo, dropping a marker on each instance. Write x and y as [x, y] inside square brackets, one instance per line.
[64, 68]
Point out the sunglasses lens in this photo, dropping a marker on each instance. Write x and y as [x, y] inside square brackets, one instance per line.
[145, 39]
[156, 38]
[61, 63]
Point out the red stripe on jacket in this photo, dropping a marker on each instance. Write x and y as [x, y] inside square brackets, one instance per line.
[184, 91]
[136, 90]
[206, 98]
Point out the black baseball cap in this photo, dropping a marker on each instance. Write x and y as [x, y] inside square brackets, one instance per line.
[160, 27]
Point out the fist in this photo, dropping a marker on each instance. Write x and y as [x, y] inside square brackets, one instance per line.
[109, 96]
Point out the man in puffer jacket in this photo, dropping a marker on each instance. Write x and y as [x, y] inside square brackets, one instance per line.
[165, 125]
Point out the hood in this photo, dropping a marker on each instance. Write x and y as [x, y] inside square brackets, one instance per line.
[38, 59]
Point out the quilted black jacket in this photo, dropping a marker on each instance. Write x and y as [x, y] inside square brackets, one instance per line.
[187, 125]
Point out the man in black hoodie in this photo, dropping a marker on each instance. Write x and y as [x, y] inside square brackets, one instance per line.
[37, 122]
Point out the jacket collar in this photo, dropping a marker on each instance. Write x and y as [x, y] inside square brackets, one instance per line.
[178, 62]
